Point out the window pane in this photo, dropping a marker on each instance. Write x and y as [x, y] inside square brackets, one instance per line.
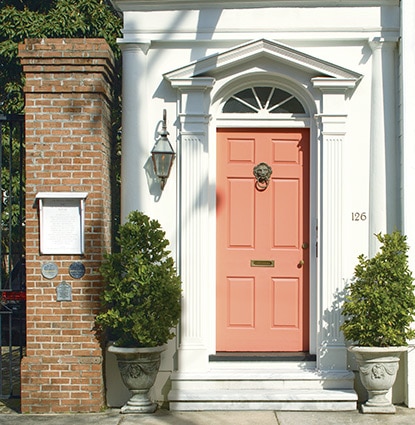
[263, 94]
[293, 106]
[278, 96]
[235, 106]
[247, 96]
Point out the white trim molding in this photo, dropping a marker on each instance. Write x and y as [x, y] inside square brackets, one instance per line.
[149, 5]
[260, 48]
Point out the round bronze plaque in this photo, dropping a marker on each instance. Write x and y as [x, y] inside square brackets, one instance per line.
[77, 270]
[49, 270]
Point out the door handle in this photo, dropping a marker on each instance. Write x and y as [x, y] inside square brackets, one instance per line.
[300, 264]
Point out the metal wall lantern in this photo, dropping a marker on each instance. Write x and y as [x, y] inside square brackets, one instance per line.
[163, 154]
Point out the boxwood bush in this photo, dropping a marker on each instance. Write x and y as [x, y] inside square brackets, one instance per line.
[380, 304]
[142, 294]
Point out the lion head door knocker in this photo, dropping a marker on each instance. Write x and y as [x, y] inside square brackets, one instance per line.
[262, 173]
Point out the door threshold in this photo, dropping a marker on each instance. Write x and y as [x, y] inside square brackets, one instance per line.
[262, 357]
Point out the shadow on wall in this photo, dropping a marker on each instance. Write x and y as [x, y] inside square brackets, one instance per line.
[206, 27]
[117, 393]
[331, 321]
[153, 182]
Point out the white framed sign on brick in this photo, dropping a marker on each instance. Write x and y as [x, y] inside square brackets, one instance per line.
[62, 222]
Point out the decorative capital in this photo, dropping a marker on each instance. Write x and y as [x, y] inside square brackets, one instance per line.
[188, 84]
[334, 85]
[142, 46]
[378, 43]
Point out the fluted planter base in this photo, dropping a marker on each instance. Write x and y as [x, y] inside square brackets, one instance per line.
[139, 403]
[378, 367]
[138, 368]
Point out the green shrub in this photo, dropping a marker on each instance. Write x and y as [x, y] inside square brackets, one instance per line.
[141, 299]
[380, 305]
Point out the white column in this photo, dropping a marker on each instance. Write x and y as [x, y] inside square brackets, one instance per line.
[193, 158]
[408, 156]
[332, 354]
[384, 199]
[135, 138]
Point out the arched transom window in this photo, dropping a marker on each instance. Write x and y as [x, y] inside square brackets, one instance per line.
[263, 99]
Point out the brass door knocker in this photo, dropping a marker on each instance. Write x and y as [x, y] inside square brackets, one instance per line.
[262, 173]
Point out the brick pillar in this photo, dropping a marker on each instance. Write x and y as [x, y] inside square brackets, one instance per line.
[67, 150]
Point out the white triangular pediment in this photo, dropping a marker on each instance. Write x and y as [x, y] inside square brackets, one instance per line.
[215, 64]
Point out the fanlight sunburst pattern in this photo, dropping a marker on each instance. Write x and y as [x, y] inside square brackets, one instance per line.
[263, 99]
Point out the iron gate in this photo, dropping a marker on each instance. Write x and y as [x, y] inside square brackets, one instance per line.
[12, 245]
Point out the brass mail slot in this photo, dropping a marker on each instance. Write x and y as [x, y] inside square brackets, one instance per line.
[262, 263]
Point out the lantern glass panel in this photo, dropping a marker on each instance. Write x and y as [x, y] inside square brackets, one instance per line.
[162, 163]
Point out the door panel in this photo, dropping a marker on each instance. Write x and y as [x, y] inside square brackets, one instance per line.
[241, 296]
[262, 262]
[284, 314]
[286, 215]
[241, 223]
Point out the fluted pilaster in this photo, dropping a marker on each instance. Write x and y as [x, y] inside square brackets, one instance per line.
[194, 220]
[332, 125]
[332, 353]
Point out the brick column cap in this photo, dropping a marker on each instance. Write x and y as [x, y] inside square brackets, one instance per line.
[66, 57]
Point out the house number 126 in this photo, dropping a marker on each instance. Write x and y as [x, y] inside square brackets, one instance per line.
[359, 216]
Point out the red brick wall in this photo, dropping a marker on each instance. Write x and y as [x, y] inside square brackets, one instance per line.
[67, 150]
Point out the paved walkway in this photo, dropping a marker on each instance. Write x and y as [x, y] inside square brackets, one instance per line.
[403, 416]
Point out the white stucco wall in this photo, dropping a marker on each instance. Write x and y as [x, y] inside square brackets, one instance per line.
[407, 131]
[156, 42]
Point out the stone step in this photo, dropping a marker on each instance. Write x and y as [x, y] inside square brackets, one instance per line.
[255, 379]
[248, 399]
[264, 364]
[253, 388]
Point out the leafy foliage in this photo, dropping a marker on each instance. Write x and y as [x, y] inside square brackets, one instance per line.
[12, 200]
[380, 306]
[141, 300]
[54, 19]
[22, 19]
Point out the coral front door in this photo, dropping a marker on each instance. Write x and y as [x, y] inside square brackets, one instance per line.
[262, 240]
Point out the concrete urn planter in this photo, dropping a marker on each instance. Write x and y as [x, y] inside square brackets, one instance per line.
[378, 367]
[138, 368]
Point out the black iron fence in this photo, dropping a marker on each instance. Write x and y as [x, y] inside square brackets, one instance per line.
[12, 254]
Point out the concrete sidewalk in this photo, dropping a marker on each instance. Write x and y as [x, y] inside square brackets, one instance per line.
[403, 416]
